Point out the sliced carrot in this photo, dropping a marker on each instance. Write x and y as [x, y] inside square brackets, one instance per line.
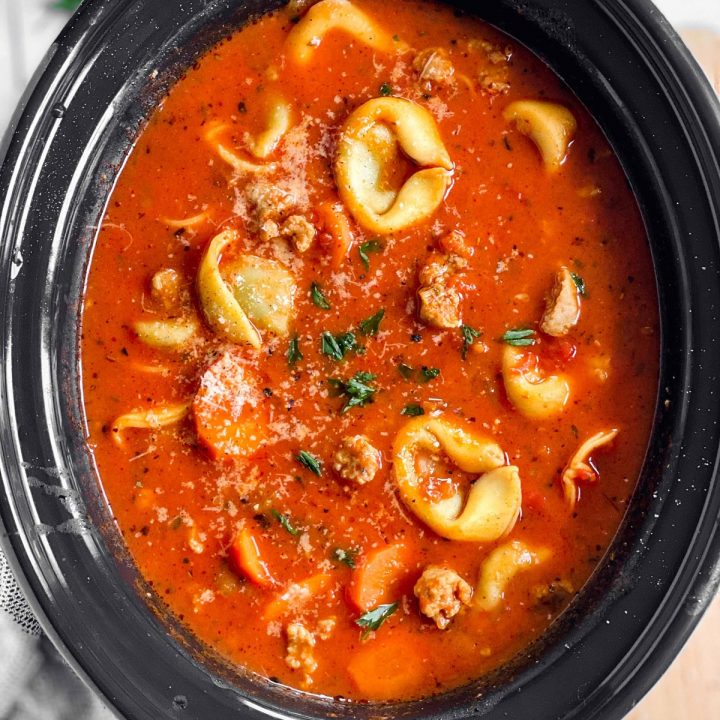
[298, 594]
[337, 225]
[377, 578]
[229, 409]
[390, 668]
[245, 559]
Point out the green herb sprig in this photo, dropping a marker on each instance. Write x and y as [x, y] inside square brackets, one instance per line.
[284, 520]
[318, 297]
[310, 462]
[371, 246]
[469, 336]
[358, 390]
[412, 410]
[371, 325]
[374, 619]
[522, 337]
[293, 352]
[346, 557]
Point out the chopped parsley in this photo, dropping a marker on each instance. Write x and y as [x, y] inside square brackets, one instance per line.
[385, 89]
[358, 390]
[412, 409]
[371, 246]
[427, 374]
[374, 619]
[521, 337]
[346, 557]
[405, 370]
[579, 283]
[310, 462]
[371, 325]
[337, 346]
[284, 520]
[469, 336]
[293, 353]
[318, 297]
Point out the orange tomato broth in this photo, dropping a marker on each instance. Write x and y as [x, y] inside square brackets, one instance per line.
[179, 510]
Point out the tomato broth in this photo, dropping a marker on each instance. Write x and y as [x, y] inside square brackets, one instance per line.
[294, 385]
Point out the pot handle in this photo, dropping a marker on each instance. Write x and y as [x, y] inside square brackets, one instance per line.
[705, 45]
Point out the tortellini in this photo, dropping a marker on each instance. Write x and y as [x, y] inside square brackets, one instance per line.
[330, 15]
[562, 309]
[580, 467]
[171, 334]
[375, 142]
[549, 125]
[257, 292]
[149, 419]
[534, 395]
[279, 119]
[265, 290]
[492, 504]
[239, 164]
[500, 568]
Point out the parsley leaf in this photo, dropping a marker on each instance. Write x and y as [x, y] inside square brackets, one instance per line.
[579, 283]
[293, 353]
[347, 557]
[371, 325]
[373, 619]
[428, 373]
[336, 346]
[412, 409]
[310, 462]
[521, 337]
[469, 336]
[357, 390]
[284, 520]
[385, 89]
[368, 247]
[405, 370]
[318, 297]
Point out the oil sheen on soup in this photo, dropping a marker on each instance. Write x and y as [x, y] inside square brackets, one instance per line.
[369, 348]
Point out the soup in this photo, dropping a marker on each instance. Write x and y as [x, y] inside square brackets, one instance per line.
[369, 348]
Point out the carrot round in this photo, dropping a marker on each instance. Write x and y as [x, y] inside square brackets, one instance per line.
[298, 594]
[376, 578]
[336, 224]
[387, 669]
[229, 409]
[245, 559]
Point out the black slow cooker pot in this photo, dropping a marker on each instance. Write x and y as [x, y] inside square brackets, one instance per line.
[69, 138]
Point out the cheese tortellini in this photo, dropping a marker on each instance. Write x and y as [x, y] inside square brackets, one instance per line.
[534, 395]
[376, 140]
[580, 467]
[549, 125]
[257, 293]
[279, 120]
[492, 504]
[500, 567]
[173, 334]
[329, 15]
[149, 419]
[238, 163]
